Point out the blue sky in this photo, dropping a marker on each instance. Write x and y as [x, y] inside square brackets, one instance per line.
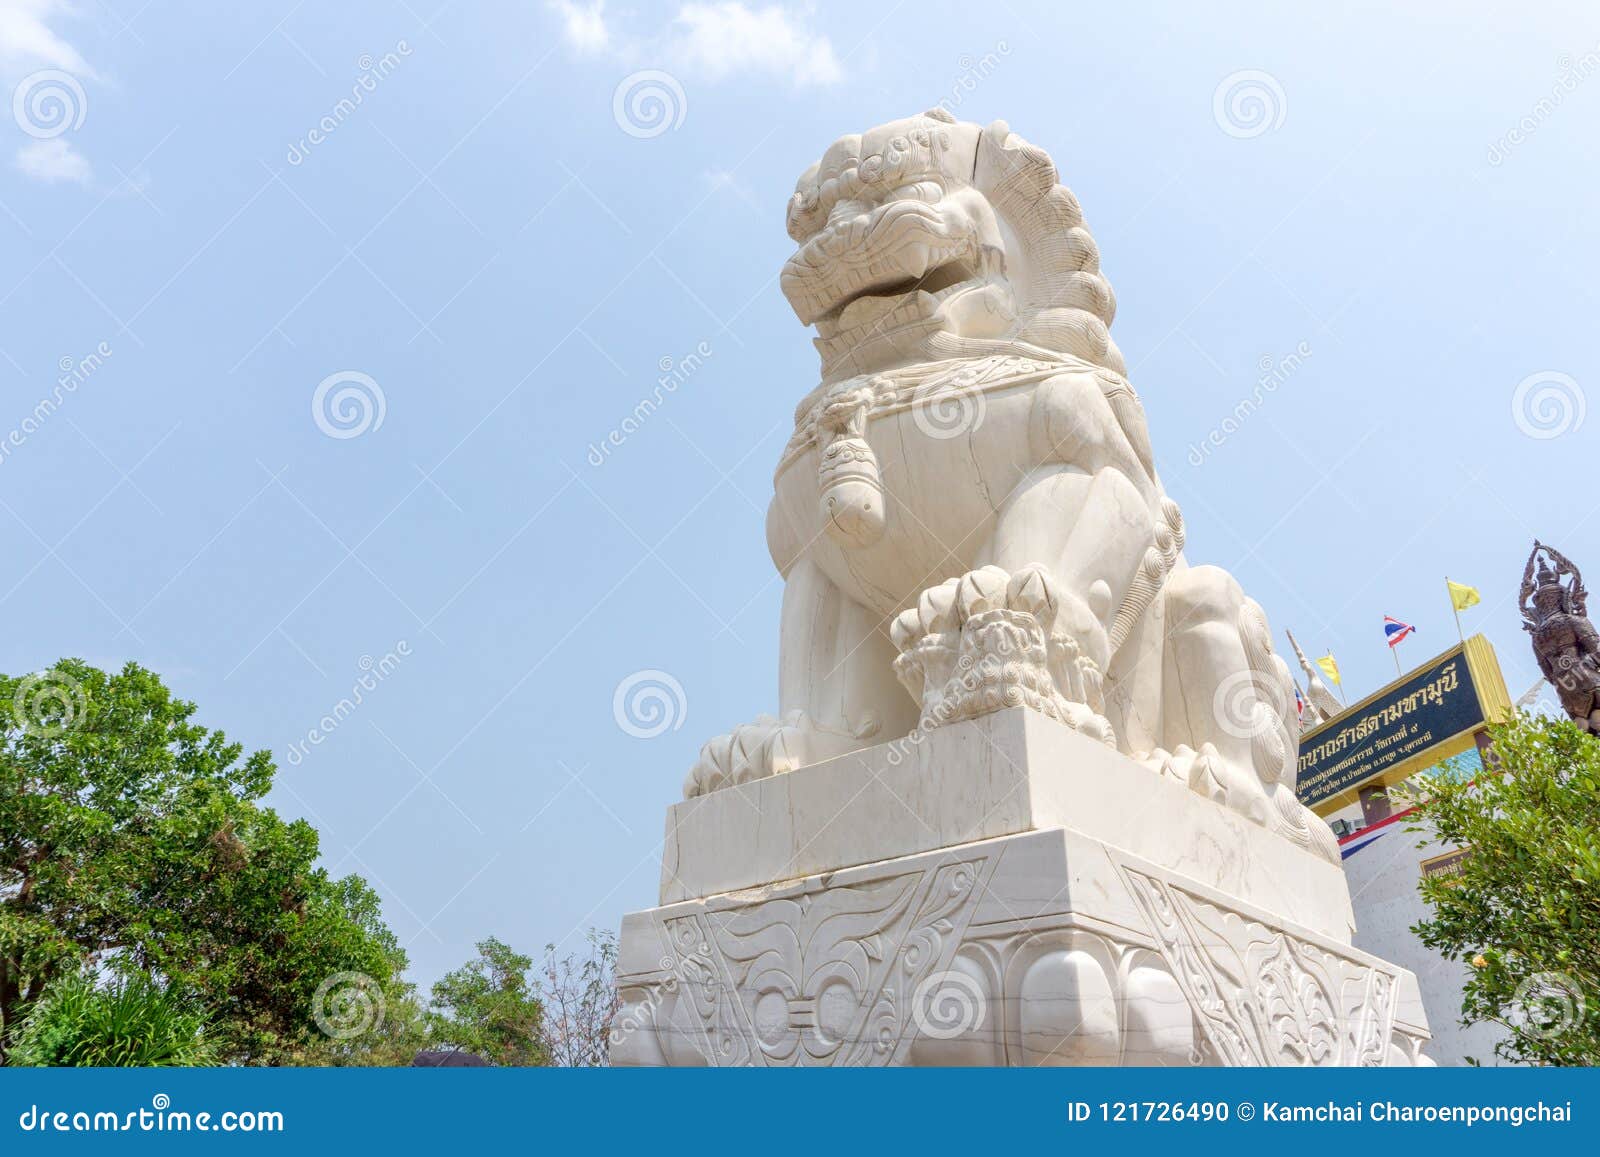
[492, 254]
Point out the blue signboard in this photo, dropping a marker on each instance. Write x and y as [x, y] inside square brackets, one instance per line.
[1399, 728]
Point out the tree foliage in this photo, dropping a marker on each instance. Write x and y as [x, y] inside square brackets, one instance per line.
[131, 1022]
[133, 839]
[489, 1006]
[1524, 912]
[154, 911]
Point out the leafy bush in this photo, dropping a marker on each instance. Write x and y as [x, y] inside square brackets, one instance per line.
[133, 1022]
[1524, 912]
[490, 1006]
[128, 832]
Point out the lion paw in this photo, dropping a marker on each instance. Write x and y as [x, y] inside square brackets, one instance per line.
[992, 639]
[753, 751]
[1300, 825]
[1207, 773]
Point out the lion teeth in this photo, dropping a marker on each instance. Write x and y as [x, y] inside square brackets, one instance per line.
[865, 309]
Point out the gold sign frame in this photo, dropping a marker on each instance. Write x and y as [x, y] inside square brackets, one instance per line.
[1494, 703]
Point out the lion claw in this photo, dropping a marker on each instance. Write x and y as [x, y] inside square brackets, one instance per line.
[992, 639]
[752, 751]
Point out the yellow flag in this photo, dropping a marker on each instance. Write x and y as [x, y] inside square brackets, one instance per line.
[1330, 668]
[1463, 596]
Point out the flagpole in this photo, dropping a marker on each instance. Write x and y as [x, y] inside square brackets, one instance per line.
[1395, 651]
[1462, 635]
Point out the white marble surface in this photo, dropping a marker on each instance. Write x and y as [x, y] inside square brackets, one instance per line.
[1007, 772]
[1042, 948]
[1028, 797]
[1384, 878]
[968, 514]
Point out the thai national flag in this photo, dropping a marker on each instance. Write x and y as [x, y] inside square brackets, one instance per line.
[1396, 630]
[1299, 704]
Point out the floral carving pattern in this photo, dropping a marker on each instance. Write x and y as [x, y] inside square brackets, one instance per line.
[1262, 995]
[823, 977]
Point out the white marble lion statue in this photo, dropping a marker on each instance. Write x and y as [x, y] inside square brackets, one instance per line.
[968, 515]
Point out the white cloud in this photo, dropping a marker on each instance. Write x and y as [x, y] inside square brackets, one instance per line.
[728, 37]
[29, 45]
[53, 160]
[710, 41]
[583, 25]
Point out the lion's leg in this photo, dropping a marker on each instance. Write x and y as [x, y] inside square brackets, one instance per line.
[1204, 652]
[836, 666]
[1090, 531]
[1229, 709]
[1134, 683]
[836, 690]
[1031, 624]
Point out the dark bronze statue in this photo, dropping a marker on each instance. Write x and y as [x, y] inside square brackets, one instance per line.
[1555, 612]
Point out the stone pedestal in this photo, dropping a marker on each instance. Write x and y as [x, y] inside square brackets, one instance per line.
[1002, 891]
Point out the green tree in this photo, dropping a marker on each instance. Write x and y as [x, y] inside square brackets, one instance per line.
[366, 1025]
[130, 1022]
[133, 839]
[490, 1007]
[1524, 913]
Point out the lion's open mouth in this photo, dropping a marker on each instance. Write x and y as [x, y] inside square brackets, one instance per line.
[878, 298]
[853, 266]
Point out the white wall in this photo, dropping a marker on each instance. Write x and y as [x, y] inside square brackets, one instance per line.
[1383, 879]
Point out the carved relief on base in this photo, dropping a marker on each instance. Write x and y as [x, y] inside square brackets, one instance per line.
[1263, 996]
[892, 970]
[823, 976]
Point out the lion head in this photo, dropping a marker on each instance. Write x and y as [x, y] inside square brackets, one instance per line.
[931, 238]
